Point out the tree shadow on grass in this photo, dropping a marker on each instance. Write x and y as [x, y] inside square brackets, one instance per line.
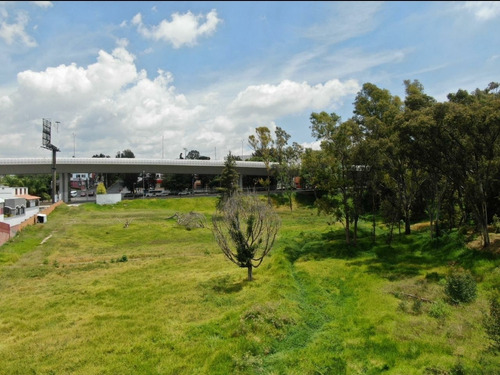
[417, 254]
[318, 246]
[405, 257]
[223, 285]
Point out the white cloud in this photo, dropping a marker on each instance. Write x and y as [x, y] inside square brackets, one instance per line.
[483, 10]
[183, 30]
[290, 97]
[347, 20]
[5, 102]
[137, 19]
[316, 145]
[43, 4]
[70, 83]
[16, 31]
[109, 106]
[7, 140]
[493, 58]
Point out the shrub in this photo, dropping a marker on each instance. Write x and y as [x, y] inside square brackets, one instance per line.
[439, 310]
[461, 287]
[101, 189]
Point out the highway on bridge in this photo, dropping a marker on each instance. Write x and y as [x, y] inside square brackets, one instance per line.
[23, 166]
[66, 166]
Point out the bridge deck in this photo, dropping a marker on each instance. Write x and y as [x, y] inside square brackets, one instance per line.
[20, 166]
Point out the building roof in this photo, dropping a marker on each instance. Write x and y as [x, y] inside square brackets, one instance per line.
[27, 196]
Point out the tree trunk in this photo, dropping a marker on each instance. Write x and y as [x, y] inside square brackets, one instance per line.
[374, 223]
[484, 225]
[250, 276]
[481, 215]
[407, 225]
[437, 226]
[355, 238]
[431, 220]
[347, 219]
[347, 230]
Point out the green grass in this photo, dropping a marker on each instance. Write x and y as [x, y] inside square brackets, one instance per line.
[154, 298]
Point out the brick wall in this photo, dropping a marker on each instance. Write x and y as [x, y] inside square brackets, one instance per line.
[4, 233]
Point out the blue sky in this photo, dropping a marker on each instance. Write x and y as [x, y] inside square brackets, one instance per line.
[161, 77]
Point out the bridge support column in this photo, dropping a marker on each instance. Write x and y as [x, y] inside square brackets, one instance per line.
[240, 182]
[64, 186]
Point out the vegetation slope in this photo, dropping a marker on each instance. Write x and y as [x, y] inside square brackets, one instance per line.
[123, 289]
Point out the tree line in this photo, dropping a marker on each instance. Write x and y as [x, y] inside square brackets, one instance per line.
[409, 158]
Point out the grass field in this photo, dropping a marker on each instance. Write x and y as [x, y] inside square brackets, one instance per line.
[86, 294]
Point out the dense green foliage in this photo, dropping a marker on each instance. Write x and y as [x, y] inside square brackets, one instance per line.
[86, 294]
[461, 287]
[129, 179]
[228, 180]
[409, 159]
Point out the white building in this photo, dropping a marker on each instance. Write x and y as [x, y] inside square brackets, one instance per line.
[16, 205]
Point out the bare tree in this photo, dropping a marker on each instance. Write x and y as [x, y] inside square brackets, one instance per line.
[245, 229]
[190, 220]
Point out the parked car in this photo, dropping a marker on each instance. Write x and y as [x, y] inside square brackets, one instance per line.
[91, 193]
[83, 194]
[185, 192]
[74, 193]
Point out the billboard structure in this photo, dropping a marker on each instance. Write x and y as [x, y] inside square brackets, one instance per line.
[47, 143]
[46, 135]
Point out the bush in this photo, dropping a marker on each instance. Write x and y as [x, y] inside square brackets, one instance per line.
[461, 287]
[101, 189]
[439, 310]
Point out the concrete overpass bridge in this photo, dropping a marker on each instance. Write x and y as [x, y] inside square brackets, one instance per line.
[66, 166]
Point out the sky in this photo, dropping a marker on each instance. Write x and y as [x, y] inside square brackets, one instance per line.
[163, 78]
